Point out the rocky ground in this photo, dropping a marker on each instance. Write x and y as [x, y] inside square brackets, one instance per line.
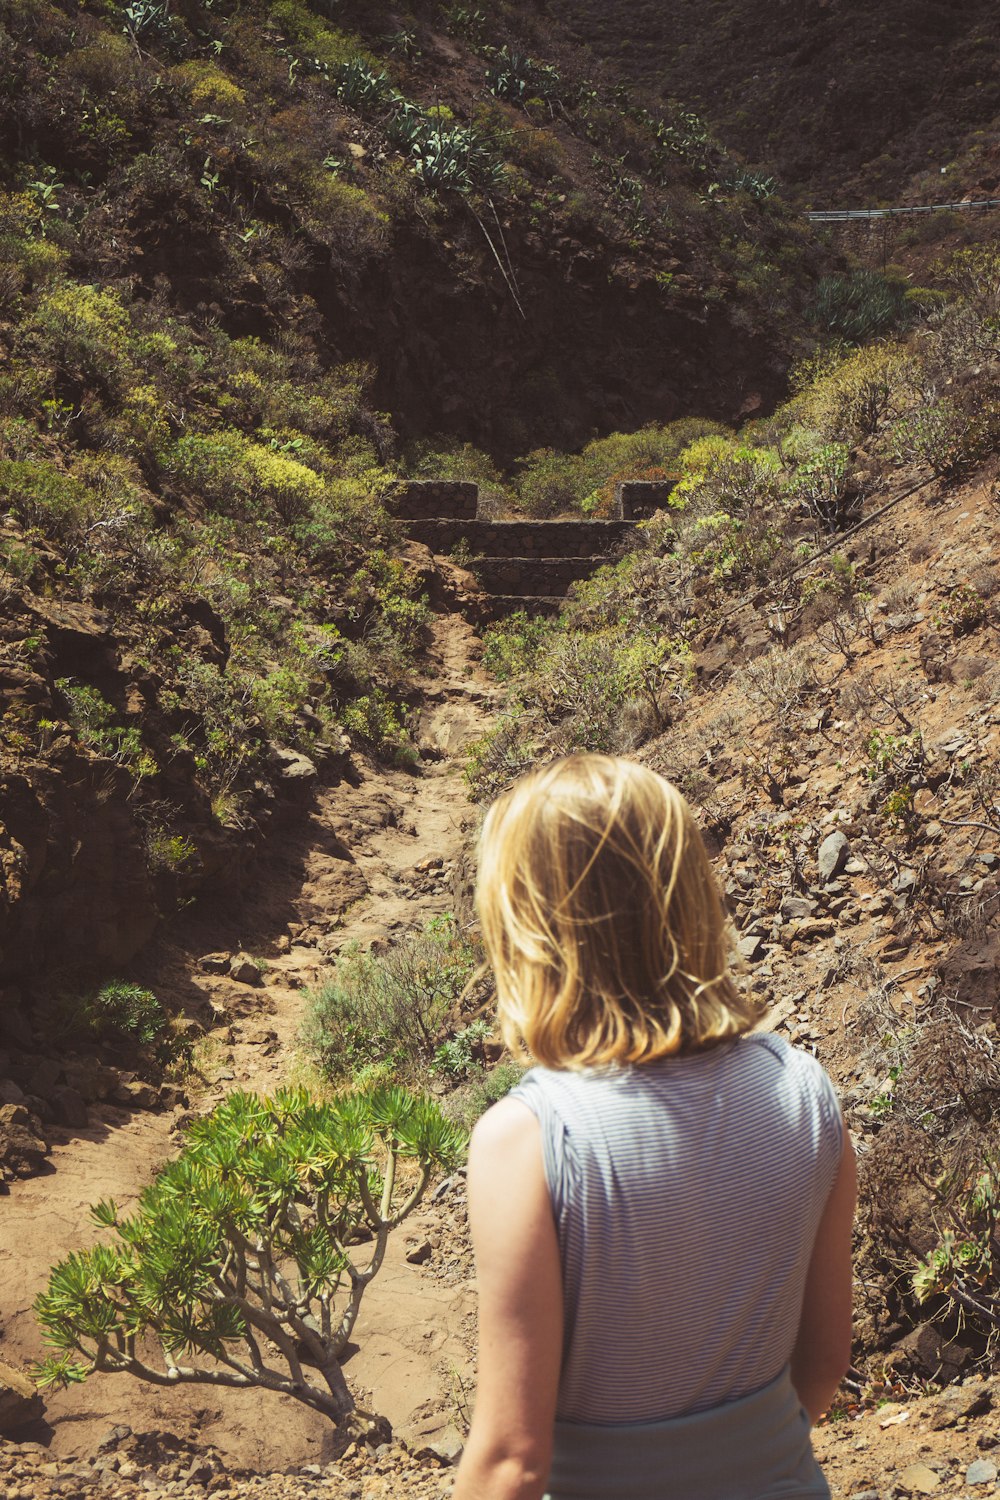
[855, 929]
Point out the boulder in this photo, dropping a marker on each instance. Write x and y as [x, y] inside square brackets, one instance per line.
[69, 1107]
[132, 1093]
[750, 948]
[833, 855]
[19, 1399]
[91, 1079]
[10, 1093]
[294, 766]
[245, 970]
[22, 1147]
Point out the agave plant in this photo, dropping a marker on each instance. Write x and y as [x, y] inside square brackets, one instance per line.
[514, 76]
[362, 86]
[457, 159]
[239, 1266]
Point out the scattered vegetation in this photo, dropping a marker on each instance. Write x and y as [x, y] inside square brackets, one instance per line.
[240, 1265]
[387, 1012]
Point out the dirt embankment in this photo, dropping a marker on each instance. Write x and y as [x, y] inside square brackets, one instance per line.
[368, 858]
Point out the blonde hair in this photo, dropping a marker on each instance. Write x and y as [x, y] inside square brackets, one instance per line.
[602, 920]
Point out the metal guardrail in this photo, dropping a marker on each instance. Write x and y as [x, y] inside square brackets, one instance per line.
[844, 215]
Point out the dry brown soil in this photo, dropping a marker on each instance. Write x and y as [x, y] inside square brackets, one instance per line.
[355, 881]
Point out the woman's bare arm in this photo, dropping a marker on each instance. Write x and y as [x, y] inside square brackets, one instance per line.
[509, 1450]
[822, 1350]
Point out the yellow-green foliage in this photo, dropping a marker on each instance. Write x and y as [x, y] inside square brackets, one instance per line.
[323, 42]
[207, 87]
[350, 215]
[860, 394]
[42, 496]
[229, 471]
[698, 459]
[283, 482]
[538, 151]
[83, 331]
[22, 242]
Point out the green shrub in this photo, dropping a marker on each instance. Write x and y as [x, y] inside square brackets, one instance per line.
[123, 1012]
[950, 437]
[92, 719]
[390, 1005]
[482, 1089]
[85, 333]
[238, 1253]
[512, 646]
[42, 496]
[859, 306]
[550, 483]
[461, 1054]
[821, 484]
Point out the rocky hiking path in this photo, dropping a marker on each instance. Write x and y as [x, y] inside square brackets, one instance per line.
[366, 859]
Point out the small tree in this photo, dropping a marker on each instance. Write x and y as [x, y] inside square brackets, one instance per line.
[229, 1271]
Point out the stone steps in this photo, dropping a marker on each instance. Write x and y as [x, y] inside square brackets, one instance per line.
[521, 564]
[521, 538]
[521, 577]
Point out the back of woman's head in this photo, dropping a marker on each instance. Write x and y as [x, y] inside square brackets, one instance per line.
[602, 919]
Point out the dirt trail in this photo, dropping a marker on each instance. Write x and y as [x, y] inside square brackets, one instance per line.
[347, 873]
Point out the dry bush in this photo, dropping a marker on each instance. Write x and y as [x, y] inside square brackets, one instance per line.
[781, 682]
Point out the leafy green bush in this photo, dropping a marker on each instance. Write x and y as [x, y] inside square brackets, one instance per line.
[950, 436]
[124, 1012]
[391, 1005]
[480, 1090]
[859, 306]
[42, 496]
[92, 719]
[230, 1270]
[514, 76]
[461, 1053]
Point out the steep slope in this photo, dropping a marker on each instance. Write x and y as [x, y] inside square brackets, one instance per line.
[846, 102]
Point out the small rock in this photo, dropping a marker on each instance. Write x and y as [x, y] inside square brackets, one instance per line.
[750, 948]
[214, 963]
[918, 1479]
[245, 970]
[864, 1495]
[833, 854]
[133, 1093]
[19, 1400]
[420, 1253]
[295, 766]
[796, 906]
[981, 1471]
[22, 1148]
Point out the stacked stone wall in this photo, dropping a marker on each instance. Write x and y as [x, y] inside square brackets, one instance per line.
[433, 499]
[520, 564]
[527, 577]
[638, 499]
[524, 538]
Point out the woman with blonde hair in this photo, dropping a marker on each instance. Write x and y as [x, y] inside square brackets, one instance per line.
[661, 1210]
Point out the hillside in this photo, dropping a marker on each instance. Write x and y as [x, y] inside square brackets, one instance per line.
[250, 260]
[846, 103]
[263, 270]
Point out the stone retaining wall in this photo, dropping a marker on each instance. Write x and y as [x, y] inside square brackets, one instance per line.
[520, 564]
[432, 499]
[550, 576]
[638, 499]
[524, 538]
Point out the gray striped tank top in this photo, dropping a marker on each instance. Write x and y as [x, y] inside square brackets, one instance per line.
[686, 1193]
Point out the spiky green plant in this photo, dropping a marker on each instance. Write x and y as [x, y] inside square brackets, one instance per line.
[239, 1267]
